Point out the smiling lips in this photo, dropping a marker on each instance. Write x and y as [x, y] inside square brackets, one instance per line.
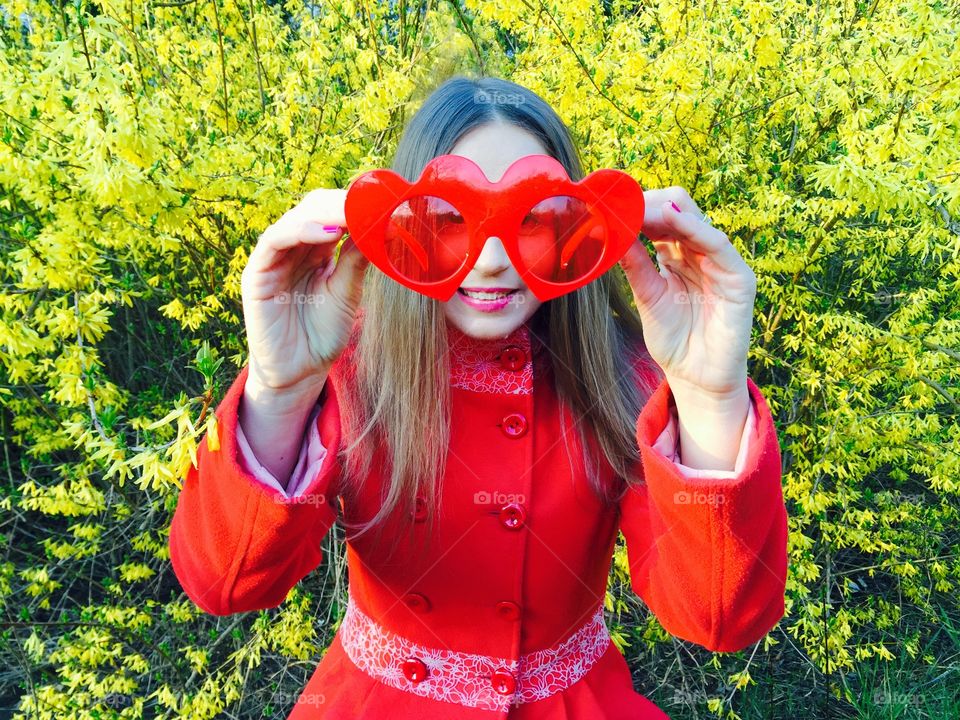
[486, 301]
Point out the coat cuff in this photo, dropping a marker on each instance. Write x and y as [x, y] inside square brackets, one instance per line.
[309, 462]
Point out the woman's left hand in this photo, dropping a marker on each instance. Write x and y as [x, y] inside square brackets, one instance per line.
[697, 310]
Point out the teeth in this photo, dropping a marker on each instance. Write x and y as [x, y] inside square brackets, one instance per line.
[486, 295]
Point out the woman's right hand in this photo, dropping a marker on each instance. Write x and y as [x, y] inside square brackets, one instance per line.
[298, 308]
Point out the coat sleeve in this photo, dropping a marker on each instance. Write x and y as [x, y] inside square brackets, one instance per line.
[237, 544]
[708, 553]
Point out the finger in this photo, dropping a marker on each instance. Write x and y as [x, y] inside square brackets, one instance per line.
[680, 260]
[318, 218]
[668, 250]
[285, 234]
[324, 204]
[272, 248]
[654, 225]
[694, 235]
[315, 262]
[672, 268]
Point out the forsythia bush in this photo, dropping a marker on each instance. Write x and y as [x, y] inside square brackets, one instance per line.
[145, 145]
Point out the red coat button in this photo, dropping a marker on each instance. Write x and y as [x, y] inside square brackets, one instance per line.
[514, 425]
[513, 358]
[508, 610]
[503, 682]
[420, 509]
[414, 670]
[513, 515]
[416, 602]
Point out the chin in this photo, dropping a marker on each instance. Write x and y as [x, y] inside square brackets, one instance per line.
[487, 326]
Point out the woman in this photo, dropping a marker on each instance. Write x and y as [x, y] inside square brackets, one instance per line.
[442, 432]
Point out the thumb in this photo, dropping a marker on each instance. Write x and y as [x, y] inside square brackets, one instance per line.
[347, 277]
[645, 281]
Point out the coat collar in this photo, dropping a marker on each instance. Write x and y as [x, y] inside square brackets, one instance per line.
[499, 365]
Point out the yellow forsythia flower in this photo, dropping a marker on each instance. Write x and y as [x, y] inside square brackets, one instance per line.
[213, 439]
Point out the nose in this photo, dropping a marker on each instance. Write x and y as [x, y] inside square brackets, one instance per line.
[493, 258]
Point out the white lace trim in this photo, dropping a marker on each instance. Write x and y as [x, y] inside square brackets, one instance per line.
[465, 678]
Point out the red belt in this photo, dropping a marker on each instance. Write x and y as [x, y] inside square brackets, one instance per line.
[480, 681]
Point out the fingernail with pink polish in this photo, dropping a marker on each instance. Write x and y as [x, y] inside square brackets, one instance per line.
[674, 206]
[331, 228]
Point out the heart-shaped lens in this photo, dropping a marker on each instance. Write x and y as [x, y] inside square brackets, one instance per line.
[426, 239]
[562, 238]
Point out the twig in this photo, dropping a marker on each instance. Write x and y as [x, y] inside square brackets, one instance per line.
[223, 69]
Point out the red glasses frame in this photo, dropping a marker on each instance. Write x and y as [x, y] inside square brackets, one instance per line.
[613, 198]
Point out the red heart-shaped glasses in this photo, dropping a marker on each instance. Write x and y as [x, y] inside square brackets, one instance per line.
[559, 234]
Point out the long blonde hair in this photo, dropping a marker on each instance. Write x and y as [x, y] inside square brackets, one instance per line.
[399, 394]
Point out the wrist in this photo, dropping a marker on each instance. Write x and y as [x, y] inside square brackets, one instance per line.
[283, 400]
[708, 401]
[710, 425]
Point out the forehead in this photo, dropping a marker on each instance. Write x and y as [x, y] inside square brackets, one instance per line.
[494, 146]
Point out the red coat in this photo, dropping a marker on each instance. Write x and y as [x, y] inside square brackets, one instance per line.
[502, 615]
